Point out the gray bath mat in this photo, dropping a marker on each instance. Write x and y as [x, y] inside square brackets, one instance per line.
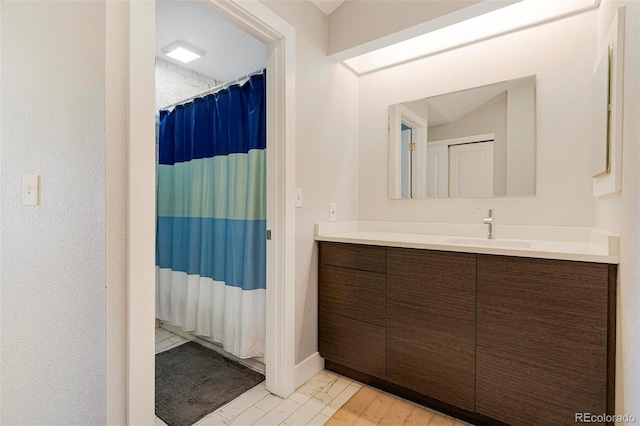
[193, 381]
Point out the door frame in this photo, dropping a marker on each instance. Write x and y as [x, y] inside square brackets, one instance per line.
[259, 21]
[399, 115]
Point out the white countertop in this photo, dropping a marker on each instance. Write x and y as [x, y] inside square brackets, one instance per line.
[578, 244]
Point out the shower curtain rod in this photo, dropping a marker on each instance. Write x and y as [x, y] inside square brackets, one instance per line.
[213, 89]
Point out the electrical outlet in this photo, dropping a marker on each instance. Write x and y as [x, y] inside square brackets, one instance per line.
[332, 212]
[298, 197]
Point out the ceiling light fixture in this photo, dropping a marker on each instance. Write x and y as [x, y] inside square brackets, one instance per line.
[182, 51]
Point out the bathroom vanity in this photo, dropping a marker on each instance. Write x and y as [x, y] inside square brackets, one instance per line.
[488, 333]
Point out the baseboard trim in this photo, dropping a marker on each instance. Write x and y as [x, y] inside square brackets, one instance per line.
[308, 368]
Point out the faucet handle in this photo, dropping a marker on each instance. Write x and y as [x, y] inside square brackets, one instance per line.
[489, 221]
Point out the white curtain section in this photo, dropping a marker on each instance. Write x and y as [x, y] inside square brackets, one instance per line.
[225, 314]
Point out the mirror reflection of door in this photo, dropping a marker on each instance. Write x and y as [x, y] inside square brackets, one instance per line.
[438, 171]
[471, 170]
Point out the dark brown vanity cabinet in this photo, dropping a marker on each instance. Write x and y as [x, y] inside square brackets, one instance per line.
[352, 295]
[491, 339]
[431, 310]
[543, 347]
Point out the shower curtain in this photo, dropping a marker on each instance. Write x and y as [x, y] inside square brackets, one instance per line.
[211, 224]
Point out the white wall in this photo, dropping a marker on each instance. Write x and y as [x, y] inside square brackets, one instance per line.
[326, 153]
[53, 255]
[561, 54]
[620, 213]
[175, 83]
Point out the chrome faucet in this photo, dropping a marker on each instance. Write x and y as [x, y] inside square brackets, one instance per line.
[489, 221]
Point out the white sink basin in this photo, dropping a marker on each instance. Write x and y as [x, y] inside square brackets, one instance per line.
[487, 243]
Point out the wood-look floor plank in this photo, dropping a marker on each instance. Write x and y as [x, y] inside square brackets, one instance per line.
[376, 410]
[369, 407]
[419, 417]
[440, 420]
[397, 413]
[351, 411]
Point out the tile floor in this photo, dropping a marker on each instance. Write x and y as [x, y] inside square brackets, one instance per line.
[166, 340]
[312, 404]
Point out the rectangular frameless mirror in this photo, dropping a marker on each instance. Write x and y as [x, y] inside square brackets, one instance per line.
[478, 142]
[601, 116]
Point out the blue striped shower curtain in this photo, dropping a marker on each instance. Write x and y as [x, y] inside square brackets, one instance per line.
[211, 224]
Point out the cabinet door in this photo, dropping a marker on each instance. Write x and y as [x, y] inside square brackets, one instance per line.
[431, 302]
[541, 339]
[351, 343]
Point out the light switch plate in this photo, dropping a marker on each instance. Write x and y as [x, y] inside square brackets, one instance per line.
[30, 190]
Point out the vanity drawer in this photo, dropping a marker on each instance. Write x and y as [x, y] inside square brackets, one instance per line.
[353, 293]
[354, 344]
[355, 256]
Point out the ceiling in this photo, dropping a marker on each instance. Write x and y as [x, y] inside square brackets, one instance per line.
[327, 6]
[453, 106]
[230, 52]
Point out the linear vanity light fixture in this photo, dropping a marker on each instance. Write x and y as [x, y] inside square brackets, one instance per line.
[182, 51]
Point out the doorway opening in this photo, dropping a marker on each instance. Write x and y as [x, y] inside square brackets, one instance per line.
[272, 30]
[202, 177]
[211, 224]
